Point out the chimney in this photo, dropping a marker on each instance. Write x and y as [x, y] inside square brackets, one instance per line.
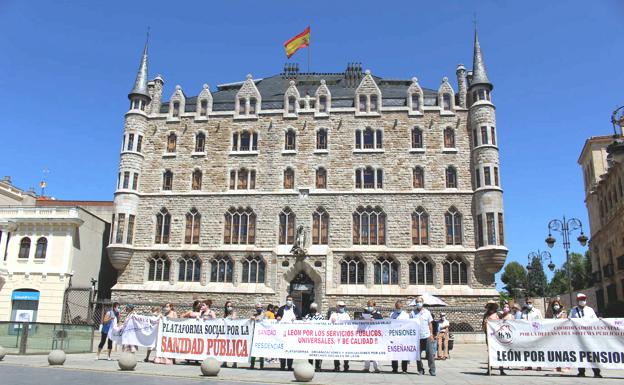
[7, 179]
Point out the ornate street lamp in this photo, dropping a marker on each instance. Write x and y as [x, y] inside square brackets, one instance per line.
[542, 256]
[565, 227]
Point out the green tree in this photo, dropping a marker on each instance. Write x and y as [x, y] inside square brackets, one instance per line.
[514, 277]
[536, 279]
[580, 273]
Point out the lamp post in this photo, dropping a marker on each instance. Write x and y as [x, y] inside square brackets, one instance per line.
[565, 227]
[542, 256]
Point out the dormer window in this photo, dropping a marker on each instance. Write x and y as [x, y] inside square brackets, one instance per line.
[242, 106]
[415, 102]
[446, 102]
[203, 109]
[176, 109]
[362, 103]
[292, 105]
[322, 103]
[373, 103]
[252, 106]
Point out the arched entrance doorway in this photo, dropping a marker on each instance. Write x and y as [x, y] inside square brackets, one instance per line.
[302, 291]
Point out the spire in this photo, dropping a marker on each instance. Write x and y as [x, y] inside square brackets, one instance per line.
[479, 75]
[140, 84]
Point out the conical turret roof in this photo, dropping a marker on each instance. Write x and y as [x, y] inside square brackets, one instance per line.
[140, 84]
[479, 74]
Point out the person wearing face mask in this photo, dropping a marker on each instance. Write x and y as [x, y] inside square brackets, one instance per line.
[426, 335]
[287, 313]
[340, 315]
[558, 312]
[443, 337]
[507, 314]
[517, 311]
[257, 317]
[371, 313]
[530, 313]
[110, 316]
[314, 315]
[399, 313]
[229, 314]
[584, 311]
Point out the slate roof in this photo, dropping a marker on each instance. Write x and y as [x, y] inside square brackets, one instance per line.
[272, 89]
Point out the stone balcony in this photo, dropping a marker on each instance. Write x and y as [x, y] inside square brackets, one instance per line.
[492, 258]
[119, 255]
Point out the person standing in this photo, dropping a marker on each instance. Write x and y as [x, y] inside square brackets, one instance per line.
[491, 314]
[581, 310]
[443, 337]
[156, 312]
[517, 311]
[287, 313]
[558, 312]
[130, 313]
[530, 313]
[371, 313]
[315, 315]
[426, 335]
[259, 316]
[168, 311]
[507, 313]
[400, 314]
[110, 316]
[228, 314]
[205, 310]
[340, 315]
[269, 313]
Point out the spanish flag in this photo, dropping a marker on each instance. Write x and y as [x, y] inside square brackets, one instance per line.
[300, 41]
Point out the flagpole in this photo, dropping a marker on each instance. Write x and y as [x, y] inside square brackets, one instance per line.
[308, 57]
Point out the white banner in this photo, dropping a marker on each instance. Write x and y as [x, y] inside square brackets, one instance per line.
[136, 330]
[382, 340]
[579, 343]
[193, 339]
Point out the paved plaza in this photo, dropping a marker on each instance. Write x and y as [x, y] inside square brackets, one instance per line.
[466, 366]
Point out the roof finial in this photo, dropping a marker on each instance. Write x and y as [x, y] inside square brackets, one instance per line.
[140, 84]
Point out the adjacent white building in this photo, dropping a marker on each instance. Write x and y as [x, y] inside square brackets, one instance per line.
[45, 248]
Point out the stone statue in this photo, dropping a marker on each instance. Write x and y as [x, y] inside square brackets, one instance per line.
[298, 249]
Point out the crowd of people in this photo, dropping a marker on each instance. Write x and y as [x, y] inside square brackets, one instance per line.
[555, 310]
[434, 333]
[434, 336]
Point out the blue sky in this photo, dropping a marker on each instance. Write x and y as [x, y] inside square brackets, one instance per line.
[66, 68]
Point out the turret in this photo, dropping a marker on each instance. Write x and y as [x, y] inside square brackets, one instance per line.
[488, 196]
[126, 200]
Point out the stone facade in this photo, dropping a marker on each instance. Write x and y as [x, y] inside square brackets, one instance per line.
[602, 161]
[353, 102]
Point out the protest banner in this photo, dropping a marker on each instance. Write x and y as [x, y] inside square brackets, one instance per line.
[382, 340]
[136, 330]
[578, 343]
[195, 339]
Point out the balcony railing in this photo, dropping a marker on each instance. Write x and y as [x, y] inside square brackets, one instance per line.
[608, 270]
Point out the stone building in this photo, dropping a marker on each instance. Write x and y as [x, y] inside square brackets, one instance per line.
[602, 160]
[390, 189]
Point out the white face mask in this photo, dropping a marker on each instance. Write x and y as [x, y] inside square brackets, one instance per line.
[582, 303]
[529, 306]
[289, 303]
